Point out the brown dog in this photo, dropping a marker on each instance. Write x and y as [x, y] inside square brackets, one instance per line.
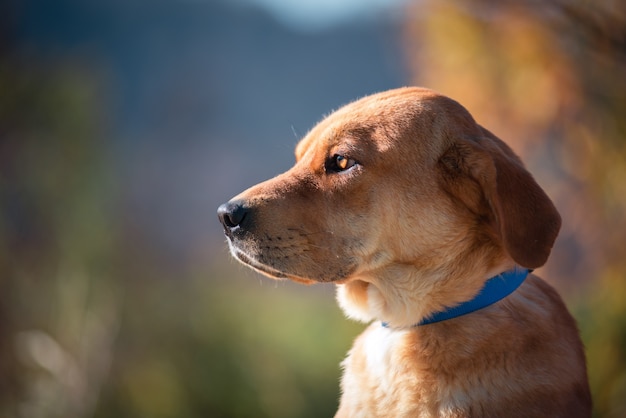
[413, 209]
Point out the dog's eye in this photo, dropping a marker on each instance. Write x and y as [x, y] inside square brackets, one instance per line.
[339, 163]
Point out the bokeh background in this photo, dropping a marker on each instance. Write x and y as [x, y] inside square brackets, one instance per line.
[125, 123]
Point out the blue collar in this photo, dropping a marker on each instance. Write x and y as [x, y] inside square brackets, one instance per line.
[495, 289]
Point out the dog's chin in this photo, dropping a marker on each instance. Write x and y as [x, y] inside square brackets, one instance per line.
[264, 269]
[256, 265]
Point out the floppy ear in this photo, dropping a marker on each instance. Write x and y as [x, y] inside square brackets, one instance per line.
[523, 216]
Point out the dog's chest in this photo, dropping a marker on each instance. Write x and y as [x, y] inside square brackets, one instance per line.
[380, 377]
[380, 347]
[384, 375]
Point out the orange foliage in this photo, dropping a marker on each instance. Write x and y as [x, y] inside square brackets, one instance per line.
[550, 79]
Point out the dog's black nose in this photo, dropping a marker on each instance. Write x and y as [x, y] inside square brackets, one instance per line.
[232, 214]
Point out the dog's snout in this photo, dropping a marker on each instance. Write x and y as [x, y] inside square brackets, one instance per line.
[232, 214]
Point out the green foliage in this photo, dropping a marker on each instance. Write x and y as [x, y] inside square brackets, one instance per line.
[601, 315]
[58, 309]
[229, 346]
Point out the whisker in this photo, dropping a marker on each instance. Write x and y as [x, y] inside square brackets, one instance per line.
[309, 233]
[295, 134]
[313, 246]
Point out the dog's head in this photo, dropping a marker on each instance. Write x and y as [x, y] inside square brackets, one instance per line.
[404, 177]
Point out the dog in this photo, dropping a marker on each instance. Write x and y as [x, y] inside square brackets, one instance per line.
[430, 227]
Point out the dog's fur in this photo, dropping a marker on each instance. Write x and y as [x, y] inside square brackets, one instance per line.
[429, 207]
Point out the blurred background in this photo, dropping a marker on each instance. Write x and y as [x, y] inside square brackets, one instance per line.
[124, 124]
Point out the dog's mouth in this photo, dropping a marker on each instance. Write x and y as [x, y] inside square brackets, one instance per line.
[263, 268]
[252, 262]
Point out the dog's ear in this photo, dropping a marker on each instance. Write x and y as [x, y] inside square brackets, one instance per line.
[521, 214]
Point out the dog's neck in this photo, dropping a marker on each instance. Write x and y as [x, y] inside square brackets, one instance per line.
[495, 289]
[404, 297]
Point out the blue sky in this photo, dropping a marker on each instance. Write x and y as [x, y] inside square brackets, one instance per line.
[318, 14]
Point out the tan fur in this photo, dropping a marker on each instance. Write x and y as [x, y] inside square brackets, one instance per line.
[434, 206]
